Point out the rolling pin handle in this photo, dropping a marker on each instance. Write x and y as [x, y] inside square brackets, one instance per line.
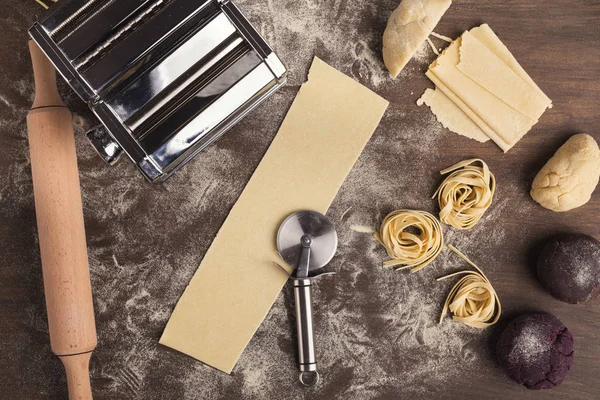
[78, 377]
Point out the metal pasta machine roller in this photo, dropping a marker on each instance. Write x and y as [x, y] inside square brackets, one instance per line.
[166, 78]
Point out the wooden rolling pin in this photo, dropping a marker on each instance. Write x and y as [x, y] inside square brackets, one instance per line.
[60, 228]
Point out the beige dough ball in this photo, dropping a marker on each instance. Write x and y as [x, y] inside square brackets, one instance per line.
[408, 27]
[569, 178]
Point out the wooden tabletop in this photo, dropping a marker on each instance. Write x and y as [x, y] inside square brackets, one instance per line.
[377, 330]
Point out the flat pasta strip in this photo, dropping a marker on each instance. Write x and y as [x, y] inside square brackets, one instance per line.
[482, 66]
[43, 4]
[486, 35]
[432, 45]
[508, 124]
[441, 37]
[471, 114]
[484, 80]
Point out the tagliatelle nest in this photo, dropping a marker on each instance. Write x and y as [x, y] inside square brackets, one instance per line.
[466, 194]
[413, 239]
[472, 301]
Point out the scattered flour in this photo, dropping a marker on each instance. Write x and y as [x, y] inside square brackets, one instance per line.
[585, 272]
[300, 29]
[529, 345]
[583, 275]
[377, 330]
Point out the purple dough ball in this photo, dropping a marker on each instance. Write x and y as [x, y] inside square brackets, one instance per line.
[536, 350]
[569, 267]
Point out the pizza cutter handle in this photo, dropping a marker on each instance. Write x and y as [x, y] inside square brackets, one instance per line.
[304, 323]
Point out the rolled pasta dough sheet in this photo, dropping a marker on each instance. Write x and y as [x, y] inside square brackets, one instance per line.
[468, 112]
[486, 35]
[324, 132]
[482, 66]
[484, 80]
[508, 124]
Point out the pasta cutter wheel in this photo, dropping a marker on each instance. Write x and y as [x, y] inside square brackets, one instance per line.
[308, 241]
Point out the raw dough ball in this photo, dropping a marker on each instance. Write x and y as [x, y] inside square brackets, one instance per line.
[408, 27]
[568, 180]
[536, 350]
[569, 267]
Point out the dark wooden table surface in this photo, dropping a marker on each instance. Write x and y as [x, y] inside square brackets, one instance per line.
[377, 329]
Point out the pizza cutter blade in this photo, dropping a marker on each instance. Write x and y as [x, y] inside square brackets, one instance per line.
[307, 241]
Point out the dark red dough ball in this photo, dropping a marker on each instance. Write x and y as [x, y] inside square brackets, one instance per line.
[569, 267]
[536, 350]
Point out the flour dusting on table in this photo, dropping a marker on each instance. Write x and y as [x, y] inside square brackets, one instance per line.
[332, 29]
[376, 330]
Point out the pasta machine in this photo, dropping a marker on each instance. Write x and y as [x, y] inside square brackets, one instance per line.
[165, 78]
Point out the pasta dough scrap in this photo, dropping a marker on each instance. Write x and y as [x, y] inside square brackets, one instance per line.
[363, 229]
[473, 300]
[451, 116]
[413, 239]
[480, 76]
[408, 27]
[466, 194]
[442, 37]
